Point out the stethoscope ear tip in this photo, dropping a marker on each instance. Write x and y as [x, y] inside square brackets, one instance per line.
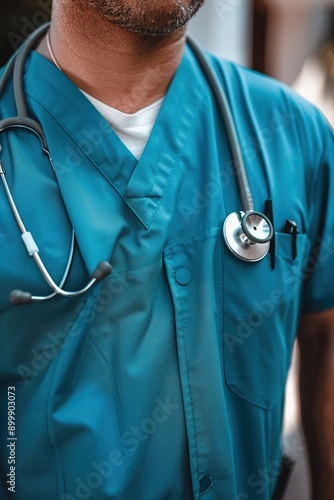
[102, 271]
[18, 297]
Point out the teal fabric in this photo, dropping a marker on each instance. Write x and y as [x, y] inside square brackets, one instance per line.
[166, 380]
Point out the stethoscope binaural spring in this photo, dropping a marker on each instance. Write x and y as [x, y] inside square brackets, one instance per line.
[247, 233]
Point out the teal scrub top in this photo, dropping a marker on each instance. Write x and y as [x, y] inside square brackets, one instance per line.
[166, 380]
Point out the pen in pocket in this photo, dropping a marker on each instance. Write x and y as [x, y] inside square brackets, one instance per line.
[291, 228]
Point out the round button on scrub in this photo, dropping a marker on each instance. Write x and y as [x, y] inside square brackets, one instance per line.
[183, 276]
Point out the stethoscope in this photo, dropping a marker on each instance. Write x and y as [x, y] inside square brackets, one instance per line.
[247, 233]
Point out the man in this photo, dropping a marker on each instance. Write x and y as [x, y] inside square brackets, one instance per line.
[166, 379]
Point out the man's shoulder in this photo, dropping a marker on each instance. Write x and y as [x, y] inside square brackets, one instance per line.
[257, 84]
[260, 97]
[260, 88]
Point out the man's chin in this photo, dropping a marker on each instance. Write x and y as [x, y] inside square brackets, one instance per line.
[156, 18]
[149, 32]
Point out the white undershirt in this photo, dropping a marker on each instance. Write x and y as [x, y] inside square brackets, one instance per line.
[133, 129]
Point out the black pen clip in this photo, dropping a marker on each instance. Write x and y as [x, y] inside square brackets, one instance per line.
[291, 228]
[268, 210]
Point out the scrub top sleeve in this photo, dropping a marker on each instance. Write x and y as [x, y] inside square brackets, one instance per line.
[318, 269]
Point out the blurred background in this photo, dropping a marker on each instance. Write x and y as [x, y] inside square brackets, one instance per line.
[291, 40]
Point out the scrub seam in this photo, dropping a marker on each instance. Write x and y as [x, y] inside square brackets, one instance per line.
[189, 388]
[137, 268]
[169, 253]
[142, 197]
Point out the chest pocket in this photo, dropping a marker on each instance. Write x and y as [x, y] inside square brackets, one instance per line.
[260, 317]
[236, 321]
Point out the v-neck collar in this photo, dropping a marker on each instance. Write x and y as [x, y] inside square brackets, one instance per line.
[107, 182]
[141, 183]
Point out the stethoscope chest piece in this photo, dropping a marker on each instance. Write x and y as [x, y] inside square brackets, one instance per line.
[248, 235]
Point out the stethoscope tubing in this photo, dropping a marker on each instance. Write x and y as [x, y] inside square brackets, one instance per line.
[33, 250]
[224, 108]
[16, 66]
[22, 120]
[242, 242]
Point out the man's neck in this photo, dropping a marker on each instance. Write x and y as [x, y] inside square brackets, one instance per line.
[122, 69]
